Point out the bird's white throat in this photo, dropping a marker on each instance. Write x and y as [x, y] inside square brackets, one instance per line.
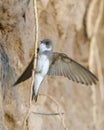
[43, 47]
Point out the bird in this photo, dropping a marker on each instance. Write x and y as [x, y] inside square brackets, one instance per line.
[55, 64]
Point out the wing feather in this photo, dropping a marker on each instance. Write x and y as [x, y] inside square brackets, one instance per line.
[62, 65]
[80, 74]
[26, 74]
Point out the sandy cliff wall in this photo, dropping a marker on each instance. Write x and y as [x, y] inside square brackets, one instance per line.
[72, 27]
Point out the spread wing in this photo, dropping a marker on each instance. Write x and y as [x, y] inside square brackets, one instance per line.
[26, 74]
[62, 65]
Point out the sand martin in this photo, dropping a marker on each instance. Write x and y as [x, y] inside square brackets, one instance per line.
[55, 64]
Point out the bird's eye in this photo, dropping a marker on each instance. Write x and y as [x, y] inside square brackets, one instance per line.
[47, 43]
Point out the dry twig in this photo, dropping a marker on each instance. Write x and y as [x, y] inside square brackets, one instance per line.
[36, 45]
[94, 53]
[47, 114]
[35, 57]
[58, 110]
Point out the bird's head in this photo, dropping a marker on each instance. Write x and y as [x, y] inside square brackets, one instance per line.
[46, 45]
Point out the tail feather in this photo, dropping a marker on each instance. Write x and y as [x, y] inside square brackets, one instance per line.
[34, 97]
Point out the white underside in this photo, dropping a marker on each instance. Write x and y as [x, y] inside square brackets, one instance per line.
[42, 69]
